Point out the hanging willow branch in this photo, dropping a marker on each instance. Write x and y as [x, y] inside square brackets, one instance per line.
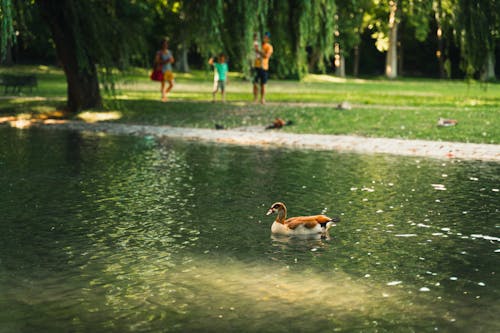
[8, 36]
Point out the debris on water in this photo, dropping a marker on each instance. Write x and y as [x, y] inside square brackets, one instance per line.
[482, 284]
[406, 235]
[453, 278]
[439, 187]
[486, 237]
[424, 289]
[394, 283]
[474, 179]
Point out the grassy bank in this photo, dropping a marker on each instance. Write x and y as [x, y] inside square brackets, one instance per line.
[406, 108]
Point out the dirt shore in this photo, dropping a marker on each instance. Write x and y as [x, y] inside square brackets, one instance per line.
[274, 138]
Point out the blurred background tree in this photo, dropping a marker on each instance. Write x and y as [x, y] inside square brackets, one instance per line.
[435, 38]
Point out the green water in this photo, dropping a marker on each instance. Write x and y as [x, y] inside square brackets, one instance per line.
[130, 234]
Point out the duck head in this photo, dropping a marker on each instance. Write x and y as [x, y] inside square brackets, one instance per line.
[276, 207]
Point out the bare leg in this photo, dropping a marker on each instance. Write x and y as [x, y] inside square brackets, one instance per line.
[262, 94]
[163, 94]
[170, 86]
[255, 93]
[223, 95]
[214, 91]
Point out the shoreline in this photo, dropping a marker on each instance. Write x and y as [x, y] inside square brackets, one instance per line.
[275, 138]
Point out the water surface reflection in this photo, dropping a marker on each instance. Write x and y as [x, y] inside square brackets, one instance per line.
[122, 234]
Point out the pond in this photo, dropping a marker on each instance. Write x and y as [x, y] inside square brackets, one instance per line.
[135, 234]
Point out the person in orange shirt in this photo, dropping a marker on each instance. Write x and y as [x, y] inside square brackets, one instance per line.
[262, 69]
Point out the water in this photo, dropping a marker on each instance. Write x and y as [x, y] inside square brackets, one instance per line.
[121, 234]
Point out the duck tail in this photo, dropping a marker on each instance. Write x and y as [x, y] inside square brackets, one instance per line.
[327, 225]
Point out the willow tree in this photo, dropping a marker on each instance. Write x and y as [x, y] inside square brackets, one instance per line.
[7, 35]
[243, 19]
[318, 32]
[87, 33]
[192, 23]
[296, 26]
[478, 25]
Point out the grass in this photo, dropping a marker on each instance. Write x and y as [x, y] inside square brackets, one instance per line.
[404, 108]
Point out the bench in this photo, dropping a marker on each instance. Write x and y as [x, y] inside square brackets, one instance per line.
[17, 82]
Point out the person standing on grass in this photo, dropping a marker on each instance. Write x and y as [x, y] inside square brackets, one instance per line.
[164, 59]
[262, 69]
[220, 75]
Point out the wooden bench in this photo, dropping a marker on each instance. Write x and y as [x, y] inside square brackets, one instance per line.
[17, 82]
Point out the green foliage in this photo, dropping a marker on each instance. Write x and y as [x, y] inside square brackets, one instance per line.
[7, 34]
[478, 24]
[350, 23]
[419, 14]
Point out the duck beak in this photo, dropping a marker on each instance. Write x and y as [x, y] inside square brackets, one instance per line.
[270, 211]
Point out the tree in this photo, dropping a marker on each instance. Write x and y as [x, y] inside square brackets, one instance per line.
[91, 33]
[391, 62]
[7, 36]
[477, 32]
[350, 23]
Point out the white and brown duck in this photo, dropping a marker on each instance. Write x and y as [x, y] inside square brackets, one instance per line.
[299, 225]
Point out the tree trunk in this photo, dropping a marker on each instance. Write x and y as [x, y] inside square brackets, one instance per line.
[355, 70]
[339, 61]
[400, 58]
[79, 67]
[8, 61]
[391, 60]
[183, 63]
[439, 34]
[340, 70]
[488, 73]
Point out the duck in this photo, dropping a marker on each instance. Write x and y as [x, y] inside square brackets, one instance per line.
[279, 123]
[299, 225]
[442, 122]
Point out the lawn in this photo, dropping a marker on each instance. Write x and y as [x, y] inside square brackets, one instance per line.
[404, 108]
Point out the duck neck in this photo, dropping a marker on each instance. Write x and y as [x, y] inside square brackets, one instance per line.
[281, 215]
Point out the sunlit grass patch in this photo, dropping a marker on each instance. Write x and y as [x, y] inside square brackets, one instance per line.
[403, 108]
[92, 117]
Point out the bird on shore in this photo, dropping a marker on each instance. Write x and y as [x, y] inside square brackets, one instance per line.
[442, 122]
[279, 123]
[299, 225]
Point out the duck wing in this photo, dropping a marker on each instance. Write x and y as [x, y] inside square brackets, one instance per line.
[307, 221]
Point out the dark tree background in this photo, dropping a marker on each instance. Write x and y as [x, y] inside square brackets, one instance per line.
[435, 38]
